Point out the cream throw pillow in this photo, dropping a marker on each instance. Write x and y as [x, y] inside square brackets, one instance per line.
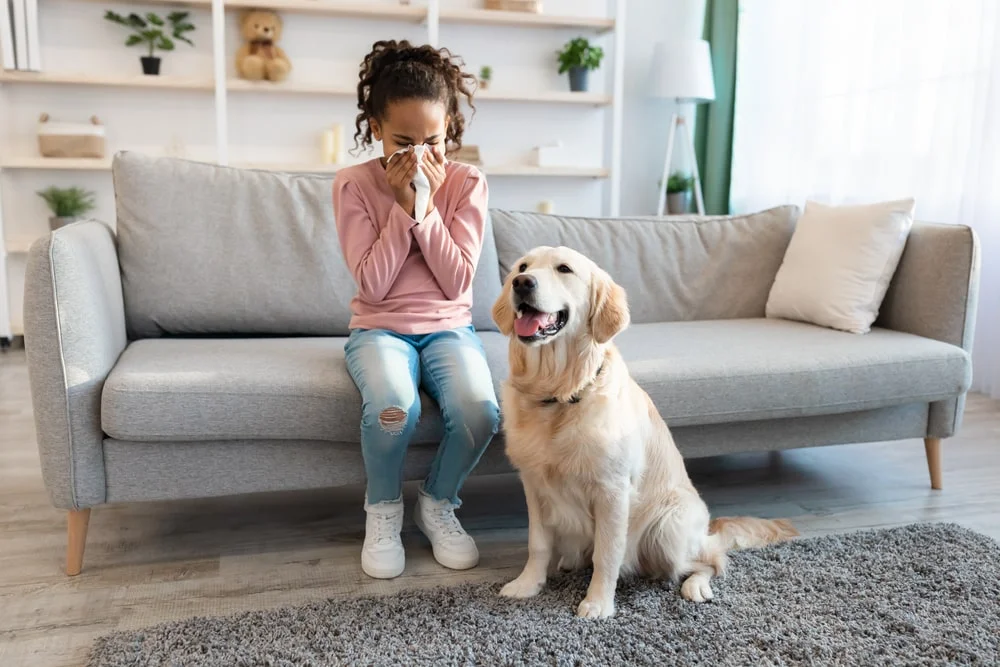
[839, 262]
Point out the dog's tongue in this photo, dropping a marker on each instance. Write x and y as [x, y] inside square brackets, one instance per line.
[528, 324]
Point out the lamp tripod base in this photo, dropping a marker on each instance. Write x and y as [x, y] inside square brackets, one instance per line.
[677, 123]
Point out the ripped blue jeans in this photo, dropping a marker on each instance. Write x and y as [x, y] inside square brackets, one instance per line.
[388, 368]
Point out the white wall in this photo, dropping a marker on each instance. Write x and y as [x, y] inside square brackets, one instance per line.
[646, 119]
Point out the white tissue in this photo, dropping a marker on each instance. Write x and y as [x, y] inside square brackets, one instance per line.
[420, 182]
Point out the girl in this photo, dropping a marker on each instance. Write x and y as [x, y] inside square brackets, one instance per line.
[411, 323]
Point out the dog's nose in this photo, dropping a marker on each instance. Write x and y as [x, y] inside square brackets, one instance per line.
[524, 284]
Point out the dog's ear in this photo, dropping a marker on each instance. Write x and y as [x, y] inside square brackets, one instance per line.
[609, 313]
[503, 311]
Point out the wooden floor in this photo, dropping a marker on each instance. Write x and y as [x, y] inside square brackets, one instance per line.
[154, 562]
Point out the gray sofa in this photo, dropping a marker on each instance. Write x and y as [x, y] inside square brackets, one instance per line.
[198, 350]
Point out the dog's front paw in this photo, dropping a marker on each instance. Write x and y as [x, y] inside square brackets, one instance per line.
[522, 587]
[596, 608]
[696, 589]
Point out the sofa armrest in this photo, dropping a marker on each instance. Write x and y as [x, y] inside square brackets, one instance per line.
[74, 331]
[934, 294]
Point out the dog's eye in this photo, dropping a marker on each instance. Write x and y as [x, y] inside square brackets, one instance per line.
[522, 268]
[564, 268]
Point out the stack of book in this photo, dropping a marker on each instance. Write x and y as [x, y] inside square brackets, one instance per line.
[19, 45]
[468, 154]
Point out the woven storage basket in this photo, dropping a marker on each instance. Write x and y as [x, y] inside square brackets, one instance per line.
[533, 6]
[70, 140]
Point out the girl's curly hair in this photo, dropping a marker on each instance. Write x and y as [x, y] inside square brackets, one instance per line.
[399, 71]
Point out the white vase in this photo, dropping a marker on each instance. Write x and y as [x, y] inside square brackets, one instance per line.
[678, 202]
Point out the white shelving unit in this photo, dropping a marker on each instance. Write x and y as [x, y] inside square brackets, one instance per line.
[432, 15]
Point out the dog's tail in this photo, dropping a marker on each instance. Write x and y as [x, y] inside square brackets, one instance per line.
[744, 532]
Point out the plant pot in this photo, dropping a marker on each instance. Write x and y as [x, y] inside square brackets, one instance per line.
[678, 202]
[150, 65]
[484, 84]
[578, 79]
[55, 221]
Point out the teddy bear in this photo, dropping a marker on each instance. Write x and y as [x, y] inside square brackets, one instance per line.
[260, 57]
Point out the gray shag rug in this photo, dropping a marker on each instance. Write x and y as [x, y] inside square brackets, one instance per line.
[924, 594]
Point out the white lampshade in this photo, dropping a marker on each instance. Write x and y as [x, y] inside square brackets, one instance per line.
[682, 70]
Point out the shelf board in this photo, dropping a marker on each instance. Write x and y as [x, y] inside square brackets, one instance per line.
[524, 19]
[171, 83]
[531, 171]
[138, 81]
[307, 88]
[552, 96]
[94, 164]
[19, 245]
[497, 170]
[408, 13]
[57, 163]
[360, 10]
[164, 82]
[292, 167]
[288, 87]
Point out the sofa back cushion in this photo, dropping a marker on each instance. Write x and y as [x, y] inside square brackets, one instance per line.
[673, 269]
[206, 249]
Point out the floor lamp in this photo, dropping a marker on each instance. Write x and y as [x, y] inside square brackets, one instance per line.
[682, 71]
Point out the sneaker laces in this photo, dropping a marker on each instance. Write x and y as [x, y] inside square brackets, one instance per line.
[445, 522]
[383, 528]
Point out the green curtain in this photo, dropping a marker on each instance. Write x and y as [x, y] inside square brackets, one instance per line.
[714, 121]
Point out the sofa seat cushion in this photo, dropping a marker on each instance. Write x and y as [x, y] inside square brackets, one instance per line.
[251, 388]
[706, 372]
[700, 372]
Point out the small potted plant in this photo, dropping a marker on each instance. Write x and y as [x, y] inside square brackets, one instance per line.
[578, 57]
[150, 32]
[678, 193]
[485, 76]
[67, 204]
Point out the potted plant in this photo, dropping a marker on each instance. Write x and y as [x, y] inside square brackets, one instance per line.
[678, 193]
[149, 32]
[67, 204]
[485, 76]
[578, 57]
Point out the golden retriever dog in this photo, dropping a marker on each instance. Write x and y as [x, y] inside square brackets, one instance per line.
[603, 481]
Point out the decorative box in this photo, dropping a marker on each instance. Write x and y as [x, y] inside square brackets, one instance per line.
[70, 140]
[550, 155]
[533, 6]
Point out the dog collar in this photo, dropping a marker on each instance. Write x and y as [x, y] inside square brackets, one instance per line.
[575, 398]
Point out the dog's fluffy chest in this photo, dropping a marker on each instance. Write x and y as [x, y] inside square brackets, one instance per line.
[570, 455]
[574, 443]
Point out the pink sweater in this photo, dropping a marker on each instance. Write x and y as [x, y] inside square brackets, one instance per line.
[411, 278]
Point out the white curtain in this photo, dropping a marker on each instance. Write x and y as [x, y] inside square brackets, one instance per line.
[853, 101]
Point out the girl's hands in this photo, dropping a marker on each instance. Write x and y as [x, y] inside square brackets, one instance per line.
[433, 166]
[403, 167]
[399, 173]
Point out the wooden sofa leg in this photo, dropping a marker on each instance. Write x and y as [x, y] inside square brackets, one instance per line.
[933, 448]
[76, 530]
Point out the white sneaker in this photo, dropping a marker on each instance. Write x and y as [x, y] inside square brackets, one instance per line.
[452, 546]
[382, 555]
